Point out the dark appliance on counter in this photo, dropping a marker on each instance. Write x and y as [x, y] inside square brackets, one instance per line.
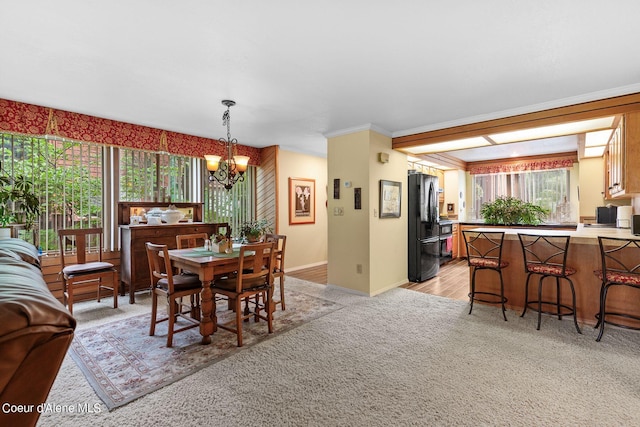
[635, 225]
[424, 227]
[446, 241]
[606, 214]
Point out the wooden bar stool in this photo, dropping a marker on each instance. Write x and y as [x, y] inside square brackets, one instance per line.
[484, 252]
[620, 266]
[547, 256]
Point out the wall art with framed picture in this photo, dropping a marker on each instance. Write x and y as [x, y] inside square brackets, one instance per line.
[390, 198]
[302, 201]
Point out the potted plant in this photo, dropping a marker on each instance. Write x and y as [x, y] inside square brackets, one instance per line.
[254, 230]
[512, 211]
[18, 202]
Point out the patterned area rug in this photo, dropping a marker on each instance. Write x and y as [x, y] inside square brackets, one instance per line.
[122, 362]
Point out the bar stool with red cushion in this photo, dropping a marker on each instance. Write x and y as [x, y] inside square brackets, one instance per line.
[546, 256]
[620, 266]
[484, 252]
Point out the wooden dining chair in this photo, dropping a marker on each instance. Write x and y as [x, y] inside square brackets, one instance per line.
[172, 287]
[254, 276]
[78, 272]
[185, 241]
[222, 228]
[195, 240]
[280, 243]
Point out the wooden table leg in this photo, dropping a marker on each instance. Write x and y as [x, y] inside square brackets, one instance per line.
[207, 325]
[132, 296]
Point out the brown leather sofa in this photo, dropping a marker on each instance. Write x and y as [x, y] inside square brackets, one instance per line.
[35, 333]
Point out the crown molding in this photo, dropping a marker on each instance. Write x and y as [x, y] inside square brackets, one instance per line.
[348, 131]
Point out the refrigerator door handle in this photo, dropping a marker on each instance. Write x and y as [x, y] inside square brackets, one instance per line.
[429, 209]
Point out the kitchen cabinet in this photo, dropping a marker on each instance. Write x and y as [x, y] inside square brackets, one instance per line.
[623, 152]
[456, 238]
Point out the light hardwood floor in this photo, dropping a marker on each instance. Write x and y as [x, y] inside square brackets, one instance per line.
[451, 282]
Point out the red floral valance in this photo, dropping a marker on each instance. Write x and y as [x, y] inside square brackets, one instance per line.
[521, 166]
[31, 119]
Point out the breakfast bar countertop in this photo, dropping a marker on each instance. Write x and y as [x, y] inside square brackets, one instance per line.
[584, 233]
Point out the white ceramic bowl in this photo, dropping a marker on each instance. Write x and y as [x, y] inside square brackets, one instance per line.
[153, 220]
[171, 216]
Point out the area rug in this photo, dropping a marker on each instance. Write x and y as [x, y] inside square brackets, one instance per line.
[122, 362]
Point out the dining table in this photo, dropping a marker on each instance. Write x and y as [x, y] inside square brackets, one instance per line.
[207, 264]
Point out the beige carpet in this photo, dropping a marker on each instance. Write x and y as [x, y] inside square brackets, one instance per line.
[401, 358]
[122, 362]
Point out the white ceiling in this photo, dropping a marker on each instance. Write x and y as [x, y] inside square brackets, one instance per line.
[302, 70]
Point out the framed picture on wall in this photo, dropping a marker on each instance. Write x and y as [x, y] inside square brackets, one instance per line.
[302, 201]
[390, 194]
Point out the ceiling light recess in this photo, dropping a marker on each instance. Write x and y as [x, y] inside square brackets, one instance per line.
[553, 130]
[439, 147]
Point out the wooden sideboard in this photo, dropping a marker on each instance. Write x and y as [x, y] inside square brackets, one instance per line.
[134, 266]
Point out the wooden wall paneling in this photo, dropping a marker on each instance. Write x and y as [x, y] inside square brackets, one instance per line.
[267, 186]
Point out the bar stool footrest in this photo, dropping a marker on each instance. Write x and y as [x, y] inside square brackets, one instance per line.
[533, 305]
[620, 325]
[500, 299]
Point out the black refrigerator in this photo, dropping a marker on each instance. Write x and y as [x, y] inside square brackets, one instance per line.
[424, 227]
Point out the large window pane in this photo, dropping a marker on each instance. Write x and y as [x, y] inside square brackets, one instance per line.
[80, 183]
[547, 188]
[234, 206]
[150, 176]
[66, 177]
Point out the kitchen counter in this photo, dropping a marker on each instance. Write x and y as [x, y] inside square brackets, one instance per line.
[583, 255]
[583, 234]
[545, 226]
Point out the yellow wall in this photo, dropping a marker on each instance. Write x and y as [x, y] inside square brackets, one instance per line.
[306, 243]
[591, 182]
[455, 191]
[366, 253]
[388, 236]
[349, 233]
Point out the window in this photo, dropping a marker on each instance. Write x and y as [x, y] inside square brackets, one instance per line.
[235, 206]
[79, 185]
[66, 177]
[156, 176]
[547, 188]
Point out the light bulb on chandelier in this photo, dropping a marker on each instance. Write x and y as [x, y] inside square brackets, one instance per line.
[229, 169]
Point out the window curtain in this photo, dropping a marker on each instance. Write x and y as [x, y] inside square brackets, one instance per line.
[522, 166]
[28, 119]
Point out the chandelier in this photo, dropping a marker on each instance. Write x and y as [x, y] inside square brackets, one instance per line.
[229, 169]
